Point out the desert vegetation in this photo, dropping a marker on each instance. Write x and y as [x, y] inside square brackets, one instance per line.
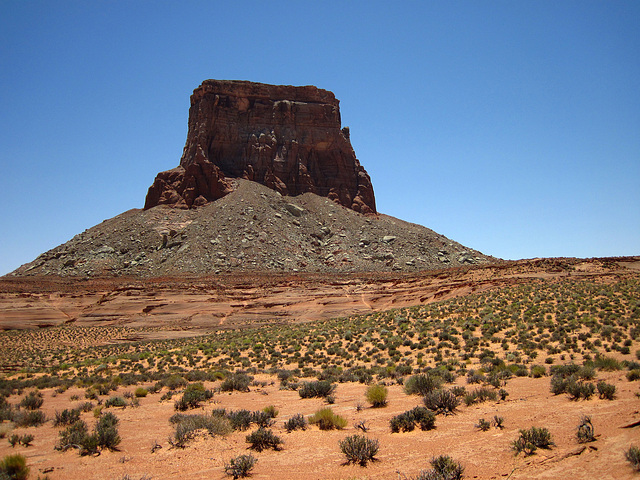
[420, 369]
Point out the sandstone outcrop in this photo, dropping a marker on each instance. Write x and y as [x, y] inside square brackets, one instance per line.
[287, 138]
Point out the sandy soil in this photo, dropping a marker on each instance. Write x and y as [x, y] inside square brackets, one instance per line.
[314, 454]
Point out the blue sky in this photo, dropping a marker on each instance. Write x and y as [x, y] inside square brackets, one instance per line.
[511, 127]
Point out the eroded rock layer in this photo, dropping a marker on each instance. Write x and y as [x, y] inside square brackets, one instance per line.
[287, 138]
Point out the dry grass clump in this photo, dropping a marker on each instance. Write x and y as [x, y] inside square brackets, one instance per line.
[327, 420]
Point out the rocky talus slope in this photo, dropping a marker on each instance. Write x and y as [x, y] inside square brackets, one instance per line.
[254, 228]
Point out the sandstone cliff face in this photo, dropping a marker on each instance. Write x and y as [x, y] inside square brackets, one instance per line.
[287, 138]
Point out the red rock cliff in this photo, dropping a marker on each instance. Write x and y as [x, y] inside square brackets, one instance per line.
[287, 138]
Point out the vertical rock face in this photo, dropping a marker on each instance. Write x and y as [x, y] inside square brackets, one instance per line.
[287, 138]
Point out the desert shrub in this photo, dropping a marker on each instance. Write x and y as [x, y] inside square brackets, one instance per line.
[86, 406]
[14, 440]
[262, 439]
[530, 440]
[66, 417]
[498, 422]
[585, 432]
[297, 422]
[271, 410]
[359, 449]
[558, 384]
[193, 395]
[115, 401]
[376, 395]
[407, 421]
[26, 439]
[443, 467]
[173, 382]
[327, 420]
[30, 418]
[606, 390]
[262, 419]
[459, 391]
[480, 395]
[77, 436]
[318, 388]
[538, 371]
[607, 364]
[633, 374]
[475, 377]
[441, 401]
[240, 467]
[633, 456]
[107, 431]
[32, 401]
[237, 381]
[422, 384]
[240, 419]
[579, 389]
[14, 467]
[483, 425]
[141, 392]
[186, 427]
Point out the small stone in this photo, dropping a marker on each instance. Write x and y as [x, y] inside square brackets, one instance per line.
[388, 238]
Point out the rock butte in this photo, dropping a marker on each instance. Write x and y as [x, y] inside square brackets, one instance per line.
[287, 138]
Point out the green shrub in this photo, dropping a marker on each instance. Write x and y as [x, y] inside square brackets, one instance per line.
[238, 381]
[26, 439]
[633, 374]
[480, 395]
[194, 394]
[115, 401]
[262, 439]
[633, 456]
[174, 382]
[14, 467]
[376, 395]
[422, 384]
[240, 466]
[186, 427]
[262, 419]
[240, 419]
[483, 425]
[141, 392]
[359, 449]
[107, 431]
[530, 440]
[578, 390]
[14, 439]
[607, 364]
[441, 401]
[498, 422]
[407, 421]
[271, 410]
[316, 389]
[296, 422]
[585, 431]
[538, 371]
[32, 401]
[327, 420]
[606, 390]
[30, 418]
[77, 436]
[443, 468]
[66, 417]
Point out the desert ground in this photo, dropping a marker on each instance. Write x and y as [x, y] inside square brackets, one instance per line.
[513, 330]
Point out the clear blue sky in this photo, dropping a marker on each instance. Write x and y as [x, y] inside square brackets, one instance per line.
[512, 127]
